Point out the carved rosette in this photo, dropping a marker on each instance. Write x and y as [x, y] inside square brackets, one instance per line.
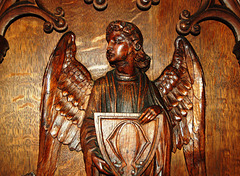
[11, 10]
[228, 13]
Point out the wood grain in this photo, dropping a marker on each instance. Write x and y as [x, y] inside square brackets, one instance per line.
[22, 70]
[21, 76]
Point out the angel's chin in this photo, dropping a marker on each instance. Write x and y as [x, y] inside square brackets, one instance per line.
[112, 63]
[110, 59]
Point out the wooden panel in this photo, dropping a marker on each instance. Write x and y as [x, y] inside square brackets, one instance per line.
[222, 89]
[22, 70]
[21, 75]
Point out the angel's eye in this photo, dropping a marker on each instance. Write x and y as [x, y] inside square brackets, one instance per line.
[119, 40]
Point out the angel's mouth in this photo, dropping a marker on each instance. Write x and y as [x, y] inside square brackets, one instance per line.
[118, 63]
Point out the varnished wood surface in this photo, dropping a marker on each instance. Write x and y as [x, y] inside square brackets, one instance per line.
[22, 70]
[132, 142]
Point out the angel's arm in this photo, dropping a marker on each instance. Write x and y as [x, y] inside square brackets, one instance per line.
[150, 114]
[88, 132]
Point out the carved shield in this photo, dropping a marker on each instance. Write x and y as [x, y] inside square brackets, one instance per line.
[126, 145]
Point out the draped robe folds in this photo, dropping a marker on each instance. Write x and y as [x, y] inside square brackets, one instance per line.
[114, 93]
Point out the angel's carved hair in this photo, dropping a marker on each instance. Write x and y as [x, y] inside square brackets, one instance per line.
[132, 32]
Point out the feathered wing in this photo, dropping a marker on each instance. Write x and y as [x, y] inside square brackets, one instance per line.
[67, 86]
[181, 85]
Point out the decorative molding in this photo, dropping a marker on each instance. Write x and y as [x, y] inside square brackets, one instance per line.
[141, 4]
[11, 10]
[146, 4]
[98, 4]
[228, 13]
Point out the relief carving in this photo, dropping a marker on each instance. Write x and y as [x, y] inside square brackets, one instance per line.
[138, 122]
[127, 145]
[11, 10]
[228, 13]
[141, 4]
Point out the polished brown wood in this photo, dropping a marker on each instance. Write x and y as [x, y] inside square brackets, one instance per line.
[141, 4]
[146, 4]
[3, 48]
[182, 87]
[67, 85]
[228, 13]
[23, 68]
[68, 113]
[126, 145]
[11, 10]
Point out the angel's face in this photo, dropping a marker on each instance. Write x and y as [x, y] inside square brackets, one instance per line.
[118, 48]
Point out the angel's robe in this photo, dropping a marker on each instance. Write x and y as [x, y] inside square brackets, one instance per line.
[116, 93]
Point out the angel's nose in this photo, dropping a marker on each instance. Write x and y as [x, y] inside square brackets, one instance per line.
[110, 45]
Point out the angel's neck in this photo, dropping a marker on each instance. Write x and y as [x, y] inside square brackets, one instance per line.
[126, 69]
[127, 72]
[126, 77]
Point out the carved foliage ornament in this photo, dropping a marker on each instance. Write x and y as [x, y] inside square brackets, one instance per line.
[228, 13]
[11, 10]
[71, 99]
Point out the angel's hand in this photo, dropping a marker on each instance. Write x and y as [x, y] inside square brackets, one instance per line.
[150, 114]
[101, 165]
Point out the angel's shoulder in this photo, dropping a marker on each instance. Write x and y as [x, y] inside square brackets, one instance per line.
[100, 81]
[104, 79]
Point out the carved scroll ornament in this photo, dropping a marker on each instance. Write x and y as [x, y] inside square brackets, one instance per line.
[141, 4]
[175, 102]
[228, 13]
[11, 10]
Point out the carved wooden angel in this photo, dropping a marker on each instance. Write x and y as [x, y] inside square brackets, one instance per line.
[70, 98]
